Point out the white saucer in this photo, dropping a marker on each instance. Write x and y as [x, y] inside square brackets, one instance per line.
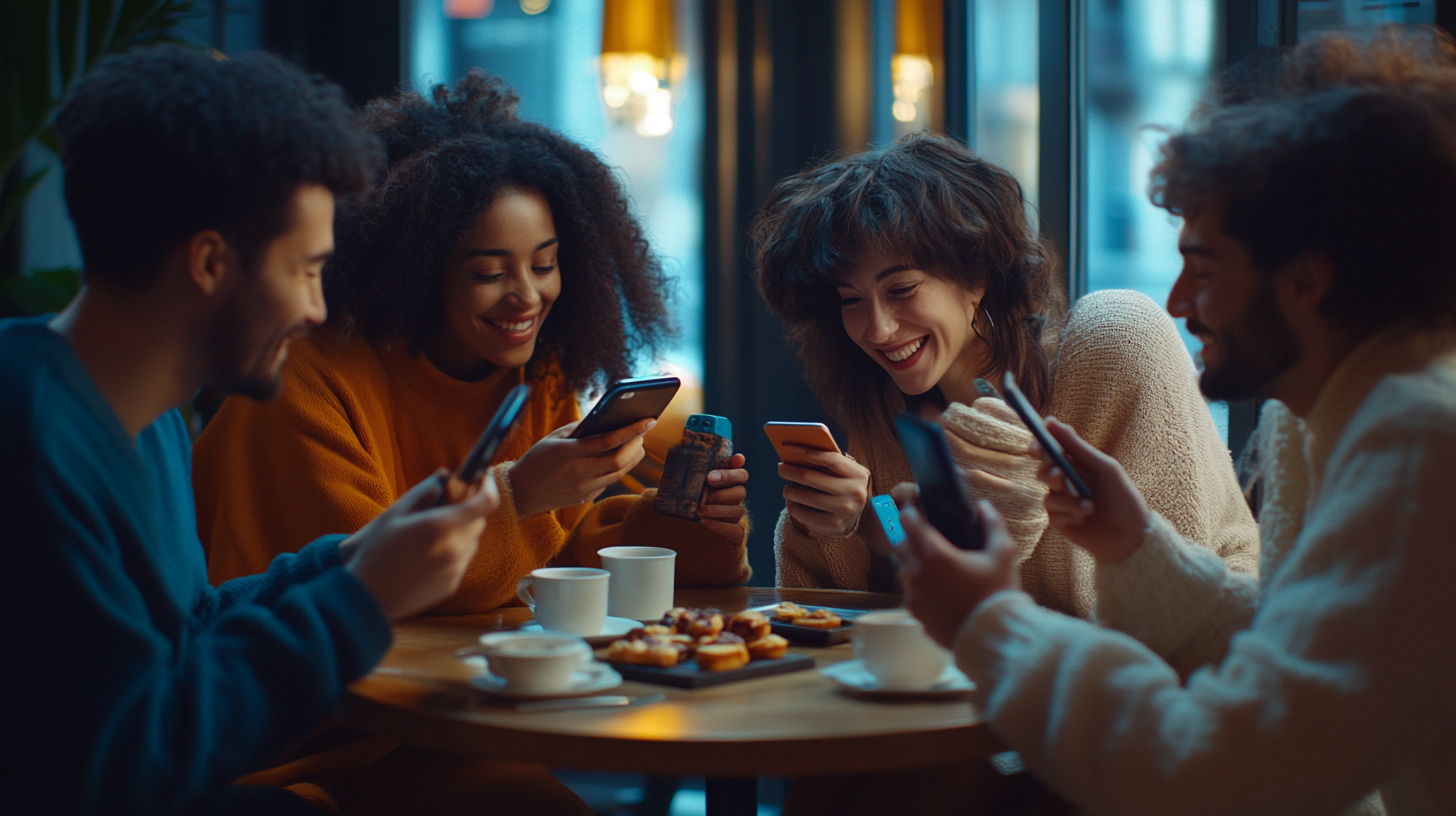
[592, 678]
[611, 630]
[852, 675]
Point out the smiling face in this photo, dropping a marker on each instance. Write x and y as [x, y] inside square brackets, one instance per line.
[1232, 309]
[913, 324]
[499, 285]
[281, 299]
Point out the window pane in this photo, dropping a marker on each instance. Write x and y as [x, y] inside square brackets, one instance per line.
[1148, 62]
[1006, 71]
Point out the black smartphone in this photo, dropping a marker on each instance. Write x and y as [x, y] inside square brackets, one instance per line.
[942, 492]
[626, 402]
[490, 439]
[1018, 403]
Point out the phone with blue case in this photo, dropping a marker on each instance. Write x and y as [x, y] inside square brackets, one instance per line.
[889, 516]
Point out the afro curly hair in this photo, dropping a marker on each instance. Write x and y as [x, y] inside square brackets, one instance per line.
[449, 156]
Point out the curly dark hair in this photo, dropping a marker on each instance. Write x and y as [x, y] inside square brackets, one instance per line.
[1350, 151]
[449, 157]
[162, 142]
[927, 197]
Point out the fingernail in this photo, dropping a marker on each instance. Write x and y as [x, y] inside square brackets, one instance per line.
[1085, 505]
[715, 476]
[651, 423]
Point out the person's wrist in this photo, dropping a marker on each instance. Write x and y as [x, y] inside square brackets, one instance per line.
[1128, 544]
[520, 498]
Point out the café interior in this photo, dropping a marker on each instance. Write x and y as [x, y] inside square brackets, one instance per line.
[702, 106]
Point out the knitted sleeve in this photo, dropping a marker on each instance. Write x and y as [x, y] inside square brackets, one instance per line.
[1125, 381]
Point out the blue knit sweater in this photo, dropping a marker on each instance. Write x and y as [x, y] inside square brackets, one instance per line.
[130, 684]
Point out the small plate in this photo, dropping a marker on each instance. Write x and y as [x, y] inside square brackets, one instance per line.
[853, 676]
[611, 630]
[592, 678]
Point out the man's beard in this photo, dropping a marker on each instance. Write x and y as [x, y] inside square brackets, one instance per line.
[241, 355]
[1251, 353]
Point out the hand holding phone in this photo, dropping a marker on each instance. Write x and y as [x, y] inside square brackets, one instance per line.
[942, 490]
[1049, 446]
[486, 446]
[790, 438]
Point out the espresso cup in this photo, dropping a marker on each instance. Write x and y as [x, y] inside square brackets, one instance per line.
[567, 599]
[641, 583]
[895, 649]
[542, 662]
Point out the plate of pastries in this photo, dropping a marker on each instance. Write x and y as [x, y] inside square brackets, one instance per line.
[692, 648]
[810, 625]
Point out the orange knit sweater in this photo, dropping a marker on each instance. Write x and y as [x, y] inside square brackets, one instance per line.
[359, 423]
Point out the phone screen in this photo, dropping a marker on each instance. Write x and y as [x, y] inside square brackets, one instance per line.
[942, 494]
[1023, 409]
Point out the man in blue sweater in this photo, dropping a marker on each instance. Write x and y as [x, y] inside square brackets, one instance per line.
[203, 195]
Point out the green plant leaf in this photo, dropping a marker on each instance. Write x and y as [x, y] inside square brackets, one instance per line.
[43, 290]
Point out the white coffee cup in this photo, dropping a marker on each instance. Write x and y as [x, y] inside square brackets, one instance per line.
[895, 649]
[641, 583]
[567, 599]
[542, 662]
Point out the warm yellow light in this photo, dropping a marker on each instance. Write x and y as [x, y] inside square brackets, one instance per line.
[640, 65]
[535, 6]
[918, 45]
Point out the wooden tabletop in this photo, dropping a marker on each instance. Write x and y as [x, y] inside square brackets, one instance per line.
[787, 725]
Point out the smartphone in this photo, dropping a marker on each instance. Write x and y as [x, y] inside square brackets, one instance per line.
[1018, 403]
[490, 440]
[813, 435]
[626, 402]
[889, 516]
[942, 492]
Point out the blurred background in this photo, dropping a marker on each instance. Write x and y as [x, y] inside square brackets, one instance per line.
[702, 105]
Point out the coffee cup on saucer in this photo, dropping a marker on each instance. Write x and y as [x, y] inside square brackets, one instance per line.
[641, 582]
[567, 599]
[539, 663]
[895, 649]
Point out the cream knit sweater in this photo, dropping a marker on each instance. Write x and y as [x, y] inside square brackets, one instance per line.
[1334, 672]
[1123, 379]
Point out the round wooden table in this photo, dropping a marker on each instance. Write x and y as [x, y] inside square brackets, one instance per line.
[786, 725]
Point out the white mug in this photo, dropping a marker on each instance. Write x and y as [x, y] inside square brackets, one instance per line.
[895, 649]
[544, 662]
[566, 599]
[641, 583]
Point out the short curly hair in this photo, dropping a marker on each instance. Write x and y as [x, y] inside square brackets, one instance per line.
[1347, 149]
[162, 142]
[449, 156]
[930, 198]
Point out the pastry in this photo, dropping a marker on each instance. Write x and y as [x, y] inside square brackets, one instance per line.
[768, 647]
[676, 619]
[748, 625]
[788, 612]
[648, 651]
[726, 653]
[819, 619]
[705, 622]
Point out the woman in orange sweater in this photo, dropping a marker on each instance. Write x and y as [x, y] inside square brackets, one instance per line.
[495, 252]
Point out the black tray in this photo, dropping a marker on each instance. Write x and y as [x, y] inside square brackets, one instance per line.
[808, 635]
[688, 675]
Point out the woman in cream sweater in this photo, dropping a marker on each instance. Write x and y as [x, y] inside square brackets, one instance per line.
[906, 274]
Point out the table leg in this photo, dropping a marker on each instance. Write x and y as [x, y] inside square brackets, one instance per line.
[737, 796]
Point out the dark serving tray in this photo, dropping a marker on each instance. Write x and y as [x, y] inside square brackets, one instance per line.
[809, 636]
[688, 675]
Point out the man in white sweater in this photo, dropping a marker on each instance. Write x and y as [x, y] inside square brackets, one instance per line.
[1319, 240]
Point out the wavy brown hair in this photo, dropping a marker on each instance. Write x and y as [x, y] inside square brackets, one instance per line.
[930, 199]
[449, 156]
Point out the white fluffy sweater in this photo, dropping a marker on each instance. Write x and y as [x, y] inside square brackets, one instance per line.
[1124, 380]
[1341, 676]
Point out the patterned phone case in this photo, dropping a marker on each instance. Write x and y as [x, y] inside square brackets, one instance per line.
[685, 471]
